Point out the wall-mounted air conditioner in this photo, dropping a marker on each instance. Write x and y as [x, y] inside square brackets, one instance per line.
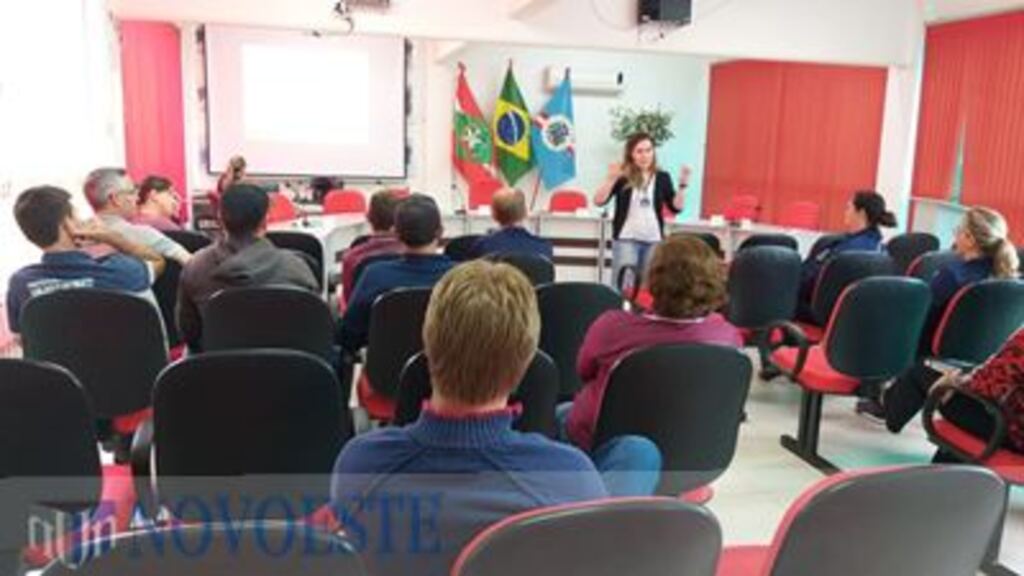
[586, 81]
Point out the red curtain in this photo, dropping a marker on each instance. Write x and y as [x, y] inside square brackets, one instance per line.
[789, 132]
[154, 116]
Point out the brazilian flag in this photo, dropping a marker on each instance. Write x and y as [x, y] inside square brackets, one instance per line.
[512, 132]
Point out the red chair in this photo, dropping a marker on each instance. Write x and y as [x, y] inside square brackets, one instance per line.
[344, 202]
[281, 208]
[871, 337]
[567, 201]
[934, 520]
[806, 215]
[481, 192]
[742, 207]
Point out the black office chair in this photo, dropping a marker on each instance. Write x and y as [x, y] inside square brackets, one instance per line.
[361, 239]
[308, 246]
[230, 426]
[638, 537]
[567, 310]
[396, 326]
[763, 287]
[112, 342]
[907, 247]
[978, 320]
[708, 238]
[537, 392]
[538, 269]
[460, 248]
[269, 317]
[688, 399]
[824, 241]
[927, 265]
[166, 286]
[49, 463]
[781, 240]
[836, 275]
[250, 548]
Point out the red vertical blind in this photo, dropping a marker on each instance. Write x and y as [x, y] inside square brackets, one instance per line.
[154, 116]
[789, 132]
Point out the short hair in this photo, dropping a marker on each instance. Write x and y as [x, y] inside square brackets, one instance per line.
[381, 214]
[40, 211]
[243, 208]
[686, 278]
[152, 184]
[508, 206]
[481, 331]
[101, 184]
[418, 221]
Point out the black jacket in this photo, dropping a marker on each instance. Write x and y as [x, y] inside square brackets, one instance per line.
[622, 192]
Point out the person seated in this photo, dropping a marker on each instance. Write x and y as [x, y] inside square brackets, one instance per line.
[508, 208]
[982, 242]
[864, 215]
[418, 226]
[381, 216]
[158, 204]
[114, 198]
[245, 258]
[687, 284]
[47, 219]
[413, 496]
[1000, 379]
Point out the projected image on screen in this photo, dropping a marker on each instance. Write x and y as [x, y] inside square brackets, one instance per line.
[292, 103]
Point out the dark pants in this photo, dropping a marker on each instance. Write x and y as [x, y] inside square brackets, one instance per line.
[905, 398]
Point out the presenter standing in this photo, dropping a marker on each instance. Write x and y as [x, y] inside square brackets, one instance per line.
[642, 193]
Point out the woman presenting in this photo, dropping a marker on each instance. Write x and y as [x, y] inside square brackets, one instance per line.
[642, 192]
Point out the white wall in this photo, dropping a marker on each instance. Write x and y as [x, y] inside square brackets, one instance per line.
[675, 83]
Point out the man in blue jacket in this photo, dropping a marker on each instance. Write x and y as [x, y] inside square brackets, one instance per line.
[508, 208]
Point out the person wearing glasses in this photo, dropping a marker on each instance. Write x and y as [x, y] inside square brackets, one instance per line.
[114, 199]
[158, 204]
[642, 193]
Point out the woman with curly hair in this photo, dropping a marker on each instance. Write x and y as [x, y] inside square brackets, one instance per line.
[687, 284]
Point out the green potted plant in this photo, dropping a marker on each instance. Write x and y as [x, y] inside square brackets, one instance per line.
[627, 121]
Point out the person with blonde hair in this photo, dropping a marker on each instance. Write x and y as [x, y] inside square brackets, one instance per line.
[508, 209]
[460, 467]
[687, 283]
[985, 250]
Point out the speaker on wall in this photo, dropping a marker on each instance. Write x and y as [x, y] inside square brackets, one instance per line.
[669, 11]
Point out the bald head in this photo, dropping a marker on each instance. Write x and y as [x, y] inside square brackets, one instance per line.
[508, 207]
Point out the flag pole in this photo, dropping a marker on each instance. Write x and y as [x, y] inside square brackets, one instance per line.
[536, 190]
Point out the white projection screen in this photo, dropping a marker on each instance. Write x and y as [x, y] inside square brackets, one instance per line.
[294, 103]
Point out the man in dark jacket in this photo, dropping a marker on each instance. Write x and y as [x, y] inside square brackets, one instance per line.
[508, 208]
[244, 259]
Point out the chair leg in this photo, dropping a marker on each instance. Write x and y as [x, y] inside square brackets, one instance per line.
[991, 566]
[805, 445]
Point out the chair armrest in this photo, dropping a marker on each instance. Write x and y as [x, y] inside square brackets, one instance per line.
[945, 365]
[791, 334]
[939, 395]
[141, 464]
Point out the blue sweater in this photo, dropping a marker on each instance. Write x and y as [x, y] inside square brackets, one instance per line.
[512, 239]
[410, 271]
[410, 498]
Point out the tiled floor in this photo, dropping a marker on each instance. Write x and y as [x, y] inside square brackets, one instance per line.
[753, 495]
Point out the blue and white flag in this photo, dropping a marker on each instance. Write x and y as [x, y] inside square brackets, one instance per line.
[554, 138]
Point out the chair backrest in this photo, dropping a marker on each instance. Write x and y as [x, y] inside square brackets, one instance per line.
[763, 285]
[806, 215]
[822, 242]
[396, 326]
[112, 342]
[783, 240]
[268, 317]
[979, 319]
[927, 265]
[876, 325]
[366, 262]
[907, 247]
[639, 537]
[281, 208]
[166, 286]
[537, 392]
[361, 239]
[248, 424]
[567, 310]
[215, 549]
[839, 272]
[344, 202]
[303, 243]
[742, 207]
[567, 201]
[688, 399]
[538, 269]
[459, 248]
[886, 523]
